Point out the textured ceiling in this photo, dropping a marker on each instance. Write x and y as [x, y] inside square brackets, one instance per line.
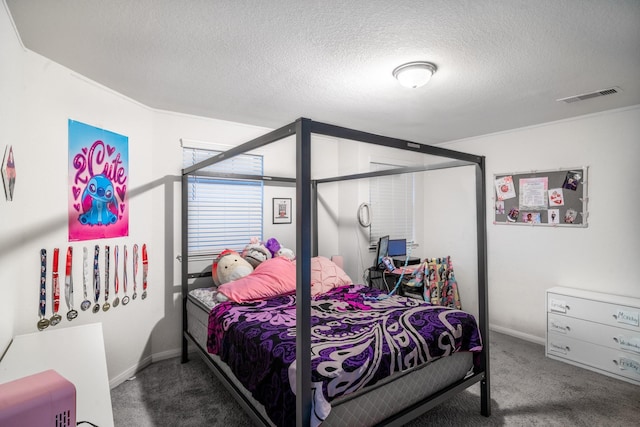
[501, 64]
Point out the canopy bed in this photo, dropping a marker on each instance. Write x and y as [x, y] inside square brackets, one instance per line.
[431, 383]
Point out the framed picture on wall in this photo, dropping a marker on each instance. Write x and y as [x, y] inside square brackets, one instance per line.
[281, 211]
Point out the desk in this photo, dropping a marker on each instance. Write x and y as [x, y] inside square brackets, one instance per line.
[386, 281]
[76, 353]
[379, 278]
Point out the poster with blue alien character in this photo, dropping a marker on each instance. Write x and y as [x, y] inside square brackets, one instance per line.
[98, 178]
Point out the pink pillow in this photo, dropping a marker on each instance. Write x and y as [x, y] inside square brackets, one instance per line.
[275, 276]
[326, 275]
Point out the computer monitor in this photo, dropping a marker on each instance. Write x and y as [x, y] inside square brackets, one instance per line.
[397, 247]
[383, 247]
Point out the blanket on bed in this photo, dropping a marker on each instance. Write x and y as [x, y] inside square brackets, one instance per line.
[357, 339]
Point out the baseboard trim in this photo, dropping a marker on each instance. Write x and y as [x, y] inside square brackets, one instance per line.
[156, 357]
[143, 363]
[517, 334]
[130, 372]
[169, 354]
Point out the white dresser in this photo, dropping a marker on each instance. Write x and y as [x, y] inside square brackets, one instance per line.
[596, 331]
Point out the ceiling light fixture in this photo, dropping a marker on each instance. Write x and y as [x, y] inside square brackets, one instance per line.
[414, 74]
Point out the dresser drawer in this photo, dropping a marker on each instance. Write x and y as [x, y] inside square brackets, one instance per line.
[617, 315]
[594, 357]
[596, 333]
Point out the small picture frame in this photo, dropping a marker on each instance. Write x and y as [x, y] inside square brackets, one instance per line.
[281, 211]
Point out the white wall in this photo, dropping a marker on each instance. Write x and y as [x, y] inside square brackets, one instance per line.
[37, 219]
[449, 226]
[524, 261]
[11, 84]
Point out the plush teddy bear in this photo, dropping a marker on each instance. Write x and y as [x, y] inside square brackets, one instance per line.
[255, 252]
[228, 266]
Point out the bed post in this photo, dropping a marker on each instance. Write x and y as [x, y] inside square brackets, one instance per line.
[185, 265]
[314, 220]
[483, 292]
[303, 272]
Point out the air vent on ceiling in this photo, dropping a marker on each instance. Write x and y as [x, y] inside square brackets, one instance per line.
[590, 95]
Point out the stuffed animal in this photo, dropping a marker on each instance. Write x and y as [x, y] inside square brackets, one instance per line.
[286, 252]
[255, 252]
[272, 245]
[228, 266]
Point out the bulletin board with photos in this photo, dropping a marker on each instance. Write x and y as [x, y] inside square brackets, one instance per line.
[556, 198]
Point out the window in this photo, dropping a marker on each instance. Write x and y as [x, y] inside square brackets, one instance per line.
[223, 213]
[392, 205]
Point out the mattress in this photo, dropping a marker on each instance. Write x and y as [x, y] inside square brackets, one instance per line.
[366, 407]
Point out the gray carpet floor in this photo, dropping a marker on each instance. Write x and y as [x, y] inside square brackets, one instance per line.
[527, 389]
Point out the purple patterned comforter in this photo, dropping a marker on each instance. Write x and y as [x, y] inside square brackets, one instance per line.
[356, 340]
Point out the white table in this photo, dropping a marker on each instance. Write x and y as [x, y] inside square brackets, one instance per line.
[76, 353]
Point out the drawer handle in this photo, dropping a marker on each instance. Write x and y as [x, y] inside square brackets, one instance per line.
[568, 348]
[615, 317]
[567, 307]
[568, 328]
[615, 339]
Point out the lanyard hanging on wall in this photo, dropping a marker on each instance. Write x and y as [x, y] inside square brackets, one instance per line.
[43, 323]
[135, 270]
[107, 253]
[55, 319]
[116, 281]
[85, 278]
[68, 285]
[96, 279]
[125, 299]
[145, 270]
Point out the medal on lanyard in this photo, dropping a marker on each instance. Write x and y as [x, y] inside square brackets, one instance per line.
[125, 299]
[145, 270]
[107, 252]
[85, 278]
[68, 285]
[116, 281]
[55, 319]
[135, 269]
[43, 322]
[96, 279]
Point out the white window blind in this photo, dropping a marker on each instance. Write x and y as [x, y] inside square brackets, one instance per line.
[222, 213]
[392, 204]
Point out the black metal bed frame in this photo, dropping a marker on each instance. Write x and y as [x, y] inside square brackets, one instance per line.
[307, 246]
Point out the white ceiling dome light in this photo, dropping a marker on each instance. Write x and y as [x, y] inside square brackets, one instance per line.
[414, 74]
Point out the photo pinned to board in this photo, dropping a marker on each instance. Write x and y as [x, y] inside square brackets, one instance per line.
[570, 216]
[513, 214]
[572, 180]
[504, 188]
[531, 217]
[556, 197]
[553, 216]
